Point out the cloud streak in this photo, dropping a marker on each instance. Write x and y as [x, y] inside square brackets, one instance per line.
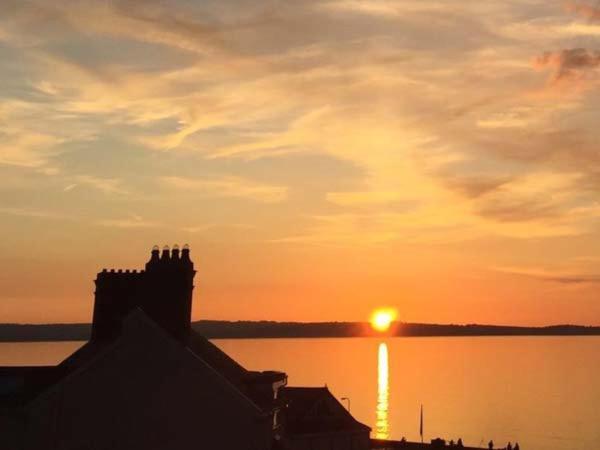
[131, 222]
[106, 185]
[550, 276]
[228, 186]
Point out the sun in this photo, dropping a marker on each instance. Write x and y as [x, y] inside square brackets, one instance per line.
[381, 319]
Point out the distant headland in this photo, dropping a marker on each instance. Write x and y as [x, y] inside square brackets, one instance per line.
[219, 329]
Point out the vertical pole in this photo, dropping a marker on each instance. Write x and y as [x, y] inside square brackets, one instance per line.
[421, 424]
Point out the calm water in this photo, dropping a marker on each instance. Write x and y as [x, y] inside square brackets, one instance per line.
[541, 391]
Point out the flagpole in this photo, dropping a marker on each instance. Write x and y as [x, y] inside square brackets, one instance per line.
[421, 424]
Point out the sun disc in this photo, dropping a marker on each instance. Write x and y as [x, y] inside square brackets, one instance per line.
[382, 319]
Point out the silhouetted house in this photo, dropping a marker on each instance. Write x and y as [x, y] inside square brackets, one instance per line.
[147, 381]
[315, 420]
[143, 390]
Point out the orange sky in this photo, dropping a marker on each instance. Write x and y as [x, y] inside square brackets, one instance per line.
[322, 158]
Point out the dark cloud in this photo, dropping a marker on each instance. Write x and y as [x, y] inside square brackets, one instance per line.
[548, 276]
[573, 279]
[518, 209]
[536, 146]
[584, 10]
[474, 186]
[569, 63]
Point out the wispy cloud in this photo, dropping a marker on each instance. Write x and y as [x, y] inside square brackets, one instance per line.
[554, 276]
[375, 8]
[214, 226]
[106, 185]
[24, 148]
[363, 198]
[474, 186]
[35, 213]
[132, 221]
[229, 186]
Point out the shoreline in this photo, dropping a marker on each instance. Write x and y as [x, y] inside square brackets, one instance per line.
[300, 330]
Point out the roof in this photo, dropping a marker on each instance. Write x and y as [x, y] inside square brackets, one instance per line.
[255, 385]
[198, 344]
[312, 410]
[216, 358]
[18, 385]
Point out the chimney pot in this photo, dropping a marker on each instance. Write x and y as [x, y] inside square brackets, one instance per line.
[166, 254]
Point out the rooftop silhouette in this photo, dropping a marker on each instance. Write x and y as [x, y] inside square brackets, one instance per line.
[146, 380]
[163, 291]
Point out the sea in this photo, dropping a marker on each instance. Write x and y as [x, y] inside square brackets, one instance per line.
[542, 392]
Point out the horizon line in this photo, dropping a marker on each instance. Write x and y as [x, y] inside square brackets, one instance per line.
[472, 324]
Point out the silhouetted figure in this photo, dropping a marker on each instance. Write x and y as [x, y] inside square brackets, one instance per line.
[517, 446]
[509, 446]
[451, 442]
[491, 444]
[459, 444]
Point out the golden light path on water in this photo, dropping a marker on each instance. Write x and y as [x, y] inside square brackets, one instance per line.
[382, 427]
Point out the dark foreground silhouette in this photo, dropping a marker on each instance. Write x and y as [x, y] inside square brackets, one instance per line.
[149, 380]
[215, 329]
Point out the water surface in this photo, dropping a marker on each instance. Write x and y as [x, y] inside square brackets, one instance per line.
[543, 392]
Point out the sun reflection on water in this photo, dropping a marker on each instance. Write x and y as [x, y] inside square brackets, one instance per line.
[382, 427]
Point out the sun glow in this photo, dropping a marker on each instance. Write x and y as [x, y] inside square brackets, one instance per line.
[382, 319]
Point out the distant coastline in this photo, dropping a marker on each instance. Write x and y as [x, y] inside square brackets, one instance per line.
[218, 329]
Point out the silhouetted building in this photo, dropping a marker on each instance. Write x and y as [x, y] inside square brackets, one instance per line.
[147, 381]
[143, 390]
[163, 291]
[315, 420]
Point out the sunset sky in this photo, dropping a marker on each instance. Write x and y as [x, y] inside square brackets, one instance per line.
[321, 158]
